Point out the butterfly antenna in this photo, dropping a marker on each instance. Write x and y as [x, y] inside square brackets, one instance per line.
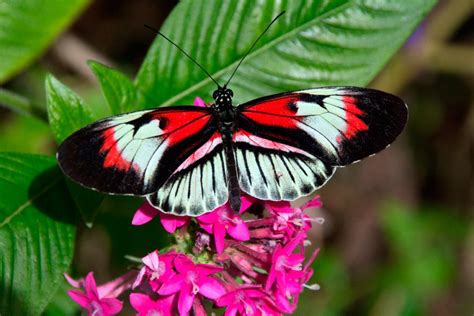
[182, 51]
[253, 45]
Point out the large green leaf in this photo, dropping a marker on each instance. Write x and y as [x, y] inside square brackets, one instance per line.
[316, 43]
[67, 113]
[36, 232]
[27, 27]
[119, 91]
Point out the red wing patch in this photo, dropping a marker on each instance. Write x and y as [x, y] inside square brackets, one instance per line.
[354, 124]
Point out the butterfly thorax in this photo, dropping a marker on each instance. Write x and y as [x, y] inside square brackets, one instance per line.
[224, 111]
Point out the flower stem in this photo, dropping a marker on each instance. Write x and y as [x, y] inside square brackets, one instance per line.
[22, 105]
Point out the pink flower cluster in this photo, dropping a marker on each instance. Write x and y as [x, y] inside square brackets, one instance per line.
[251, 263]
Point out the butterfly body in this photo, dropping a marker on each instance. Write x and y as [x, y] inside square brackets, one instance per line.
[189, 160]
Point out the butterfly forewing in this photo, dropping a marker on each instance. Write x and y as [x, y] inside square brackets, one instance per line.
[135, 153]
[337, 125]
[288, 145]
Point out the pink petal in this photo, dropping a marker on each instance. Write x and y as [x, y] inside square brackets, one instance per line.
[171, 222]
[211, 288]
[226, 299]
[152, 260]
[117, 286]
[80, 298]
[295, 259]
[290, 246]
[168, 224]
[314, 202]
[141, 302]
[311, 259]
[91, 287]
[239, 231]
[219, 237]
[271, 279]
[247, 201]
[111, 306]
[198, 308]
[199, 102]
[172, 285]
[186, 298]
[280, 207]
[183, 264]
[144, 214]
[206, 269]
[71, 281]
[207, 227]
[231, 311]
[283, 303]
[139, 278]
[210, 218]
[254, 292]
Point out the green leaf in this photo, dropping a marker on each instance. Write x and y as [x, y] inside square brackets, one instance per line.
[316, 43]
[68, 113]
[27, 28]
[119, 90]
[87, 201]
[36, 232]
[66, 110]
[62, 304]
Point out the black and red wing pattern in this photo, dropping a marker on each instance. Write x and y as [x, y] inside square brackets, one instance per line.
[135, 153]
[288, 145]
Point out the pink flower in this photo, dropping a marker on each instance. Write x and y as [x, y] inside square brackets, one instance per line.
[146, 213]
[199, 102]
[224, 221]
[145, 306]
[190, 280]
[93, 299]
[291, 220]
[243, 300]
[283, 262]
[157, 269]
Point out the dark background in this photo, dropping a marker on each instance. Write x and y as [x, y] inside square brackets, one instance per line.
[399, 232]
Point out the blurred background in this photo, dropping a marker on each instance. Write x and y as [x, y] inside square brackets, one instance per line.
[399, 232]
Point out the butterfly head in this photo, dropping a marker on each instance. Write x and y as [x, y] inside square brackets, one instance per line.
[223, 96]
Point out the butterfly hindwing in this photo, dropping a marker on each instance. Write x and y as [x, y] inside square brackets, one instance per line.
[337, 125]
[135, 153]
[274, 174]
[199, 185]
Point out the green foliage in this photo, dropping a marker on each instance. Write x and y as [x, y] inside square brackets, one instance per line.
[315, 43]
[119, 91]
[423, 245]
[27, 27]
[36, 232]
[61, 304]
[66, 111]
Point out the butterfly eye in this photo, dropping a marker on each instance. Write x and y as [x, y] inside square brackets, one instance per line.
[231, 93]
[215, 94]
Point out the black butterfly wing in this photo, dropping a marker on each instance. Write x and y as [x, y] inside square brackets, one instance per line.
[135, 153]
[289, 144]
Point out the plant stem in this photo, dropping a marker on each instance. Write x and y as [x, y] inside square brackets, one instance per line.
[22, 105]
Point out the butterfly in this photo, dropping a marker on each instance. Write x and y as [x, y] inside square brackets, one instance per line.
[189, 160]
